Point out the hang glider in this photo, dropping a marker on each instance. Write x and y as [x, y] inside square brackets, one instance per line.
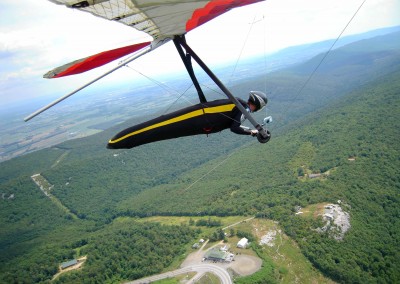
[164, 20]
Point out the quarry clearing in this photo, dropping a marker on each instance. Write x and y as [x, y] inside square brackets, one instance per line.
[337, 220]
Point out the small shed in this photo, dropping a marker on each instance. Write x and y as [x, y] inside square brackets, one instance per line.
[314, 175]
[243, 243]
[67, 264]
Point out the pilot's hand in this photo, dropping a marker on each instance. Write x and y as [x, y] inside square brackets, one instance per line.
[254, 132]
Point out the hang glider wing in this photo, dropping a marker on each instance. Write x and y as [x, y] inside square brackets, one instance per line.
[88, 63]
[160, 19]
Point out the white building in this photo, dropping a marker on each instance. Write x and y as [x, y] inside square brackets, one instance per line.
[243, 243]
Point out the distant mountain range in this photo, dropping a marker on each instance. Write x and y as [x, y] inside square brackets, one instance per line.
[301, 53]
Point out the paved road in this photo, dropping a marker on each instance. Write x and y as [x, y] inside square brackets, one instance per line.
[222, 274]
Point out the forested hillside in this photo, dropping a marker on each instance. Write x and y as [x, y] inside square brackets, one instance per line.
[265, 181]
[347, 111]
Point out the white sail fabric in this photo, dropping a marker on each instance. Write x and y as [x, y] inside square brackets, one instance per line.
[159, 19]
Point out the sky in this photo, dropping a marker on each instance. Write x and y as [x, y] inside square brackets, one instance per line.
[38, 35]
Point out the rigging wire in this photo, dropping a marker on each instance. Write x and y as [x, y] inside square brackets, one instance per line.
[324, 57]
[243, 46]
[238, 57]
[218, 165]
[210, 171]
[265, 53]
[298, 93]
[265, 58]
[171, 90]
[165, 87]
[247, 144]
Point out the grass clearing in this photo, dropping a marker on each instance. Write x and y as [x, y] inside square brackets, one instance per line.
[291, 264]
[313, 210]
[184, 220]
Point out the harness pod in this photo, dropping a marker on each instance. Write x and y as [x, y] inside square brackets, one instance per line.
[206, 118]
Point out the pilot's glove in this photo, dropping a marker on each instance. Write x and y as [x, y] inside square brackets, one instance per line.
[254, 132]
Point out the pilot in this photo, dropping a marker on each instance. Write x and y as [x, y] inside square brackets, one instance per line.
[203, 118]
[257, 101]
